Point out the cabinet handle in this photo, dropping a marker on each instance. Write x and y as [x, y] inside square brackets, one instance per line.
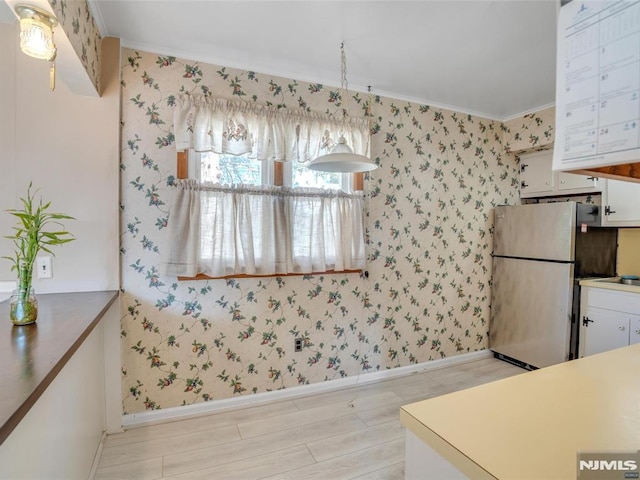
[608, 211]
[586, 320]
[523, 167]
[621, 328]
[523, 185]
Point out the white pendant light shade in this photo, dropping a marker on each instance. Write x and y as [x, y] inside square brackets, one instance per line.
[343, 160]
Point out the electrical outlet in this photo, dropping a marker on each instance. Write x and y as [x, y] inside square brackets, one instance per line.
[43, 266]
[297, 345]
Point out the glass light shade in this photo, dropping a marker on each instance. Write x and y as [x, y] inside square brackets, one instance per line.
[36, 32]
[342, 159]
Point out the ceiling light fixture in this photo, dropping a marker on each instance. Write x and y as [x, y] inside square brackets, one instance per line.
[341, 158]
[36, 36]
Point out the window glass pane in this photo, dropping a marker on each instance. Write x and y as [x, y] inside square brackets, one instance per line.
[230, 169]
[303, 177]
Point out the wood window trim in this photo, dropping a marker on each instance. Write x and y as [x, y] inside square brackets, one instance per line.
[202, 276]
[182, 172]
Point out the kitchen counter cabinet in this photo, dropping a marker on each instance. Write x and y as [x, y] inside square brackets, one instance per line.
[529, 426]
[60, 385]
[634, 330]
[602, 330]
[610, 318]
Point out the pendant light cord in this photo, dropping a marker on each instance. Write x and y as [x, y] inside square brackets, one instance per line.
[344, 86]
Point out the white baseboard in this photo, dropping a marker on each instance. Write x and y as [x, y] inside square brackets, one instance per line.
[150, 417]
[96, 459]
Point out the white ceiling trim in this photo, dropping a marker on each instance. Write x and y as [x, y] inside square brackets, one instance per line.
[97, 16]
[527, 112]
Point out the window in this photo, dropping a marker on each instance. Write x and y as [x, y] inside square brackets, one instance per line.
[240, 169]
[248, 206]
[226, 169]
[251, 229]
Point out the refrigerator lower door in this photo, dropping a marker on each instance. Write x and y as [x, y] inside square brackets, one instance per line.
[531, 310]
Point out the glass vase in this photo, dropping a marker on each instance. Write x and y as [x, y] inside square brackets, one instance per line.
[23, 307]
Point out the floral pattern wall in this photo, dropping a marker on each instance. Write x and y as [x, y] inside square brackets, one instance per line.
[80, 27]
[429, 220]
[534, 131]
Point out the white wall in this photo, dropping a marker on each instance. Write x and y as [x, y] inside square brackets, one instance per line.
[7, 136]
[68, 146]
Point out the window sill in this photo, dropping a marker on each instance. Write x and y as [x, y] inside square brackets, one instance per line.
[201, 276]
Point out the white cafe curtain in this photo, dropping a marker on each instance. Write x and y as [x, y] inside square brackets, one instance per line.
[259, 230]
[231, 127]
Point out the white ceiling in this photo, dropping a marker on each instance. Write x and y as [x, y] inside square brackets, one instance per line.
[6, 15]
[494, 58]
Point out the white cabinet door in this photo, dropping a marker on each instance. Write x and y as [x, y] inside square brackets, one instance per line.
[576, 181]
[634, 330]
[602, 330]
[609, 319]
[536, 176]
[621, 204]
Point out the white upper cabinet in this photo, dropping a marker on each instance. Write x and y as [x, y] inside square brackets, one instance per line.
[537, 179]
[570, 182]
[536, 176]
[621, 204]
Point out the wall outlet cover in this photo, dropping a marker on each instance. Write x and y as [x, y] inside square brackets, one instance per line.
[43, 266]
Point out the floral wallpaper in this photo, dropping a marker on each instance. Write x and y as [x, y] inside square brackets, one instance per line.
[429, 230]
[79, 25]
[534, 131]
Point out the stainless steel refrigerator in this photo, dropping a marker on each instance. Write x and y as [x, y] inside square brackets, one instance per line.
[539, 250]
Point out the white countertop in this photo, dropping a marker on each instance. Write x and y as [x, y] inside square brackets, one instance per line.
[531, 426]
[609, 285]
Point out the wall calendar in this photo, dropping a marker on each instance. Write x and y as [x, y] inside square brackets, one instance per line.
[598, 84]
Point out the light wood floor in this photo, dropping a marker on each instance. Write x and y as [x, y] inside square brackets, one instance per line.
[348, 434]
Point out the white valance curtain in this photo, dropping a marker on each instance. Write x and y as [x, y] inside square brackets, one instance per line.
[230, 127]
[221, 231]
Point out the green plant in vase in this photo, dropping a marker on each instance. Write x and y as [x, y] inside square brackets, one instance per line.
[37, 229]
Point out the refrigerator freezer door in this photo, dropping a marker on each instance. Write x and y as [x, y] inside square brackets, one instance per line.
[545, 231]
[530, 310]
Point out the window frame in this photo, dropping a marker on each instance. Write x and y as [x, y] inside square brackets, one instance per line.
[182, 172]
[277, 174]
